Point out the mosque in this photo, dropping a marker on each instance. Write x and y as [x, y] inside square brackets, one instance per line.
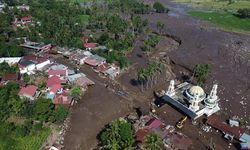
[192, 100]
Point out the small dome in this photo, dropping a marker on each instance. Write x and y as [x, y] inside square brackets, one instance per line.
[196, 90]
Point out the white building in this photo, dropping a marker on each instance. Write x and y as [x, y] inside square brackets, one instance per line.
[192, 100]
[10, 60]
[27, 66]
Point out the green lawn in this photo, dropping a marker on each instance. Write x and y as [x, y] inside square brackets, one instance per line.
[226, 21]
[217, 5]
[84, 18]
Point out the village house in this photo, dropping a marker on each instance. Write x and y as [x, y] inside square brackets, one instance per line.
[39, 61]
[36, 46]
[90, 46]
[84, 82]
[73, 78]
[110, 70]
[62, 99]
[29, 92]
[95, 60]
[79, 56]
[54, 80]
[25, 20]
[30, 63]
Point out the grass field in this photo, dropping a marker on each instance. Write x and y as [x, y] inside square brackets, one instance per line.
[84, 18]
[217, 5]
[227, 21]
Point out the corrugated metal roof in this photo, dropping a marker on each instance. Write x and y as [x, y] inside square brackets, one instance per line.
[245, 138]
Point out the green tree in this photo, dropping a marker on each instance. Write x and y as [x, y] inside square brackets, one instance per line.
[26, 78]
[160, 26]
[75, 93]
[160, 8]
[43, 110]
[153, 142]
[61, 114]
[201, 72]
[118, 136]
[244, 13]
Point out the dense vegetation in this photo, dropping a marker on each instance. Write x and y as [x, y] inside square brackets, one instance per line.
[244, 13]
[6, 69]
[23, 122]
[118, 136]
[160, 8]
[149, 75]
[117, 32]
[201, 72]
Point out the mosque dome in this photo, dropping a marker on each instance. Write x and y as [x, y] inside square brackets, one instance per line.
[196, 90]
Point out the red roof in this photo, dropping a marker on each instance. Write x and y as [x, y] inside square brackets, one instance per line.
[10, 77]
[28, 91]
[55, 88]
[26, 18]
[54, 80]
[225, 128]
[57, 72]
[154, 123]
[90, 45]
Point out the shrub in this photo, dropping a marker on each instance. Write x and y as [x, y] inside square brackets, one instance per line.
[244, 13]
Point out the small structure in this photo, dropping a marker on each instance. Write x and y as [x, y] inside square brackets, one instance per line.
[84, 82]
[26, 20]
[62, 67]
[245, 138]
[23, 7]
[192, 100]
[95, 60]
[29, 92]
[79, 56]
[10, 60]
[73, 78]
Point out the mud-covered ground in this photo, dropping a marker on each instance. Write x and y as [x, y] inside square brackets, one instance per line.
[200, 43]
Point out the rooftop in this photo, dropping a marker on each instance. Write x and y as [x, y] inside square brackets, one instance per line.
[54, 80]
[29, 90]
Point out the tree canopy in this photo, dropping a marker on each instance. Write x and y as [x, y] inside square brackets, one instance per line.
[118, 136]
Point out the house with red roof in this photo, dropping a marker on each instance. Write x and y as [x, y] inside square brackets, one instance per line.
[89, 46]
[25, 20]
[56, 88]
[29, 92]
[54, 80]
[95, 60]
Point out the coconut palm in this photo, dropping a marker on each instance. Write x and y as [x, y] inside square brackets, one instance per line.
[153, 142]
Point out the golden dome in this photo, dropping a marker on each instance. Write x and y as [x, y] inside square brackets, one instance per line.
[196, 90]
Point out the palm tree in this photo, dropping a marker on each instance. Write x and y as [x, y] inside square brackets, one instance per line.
[141, 77]
[153, 142]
